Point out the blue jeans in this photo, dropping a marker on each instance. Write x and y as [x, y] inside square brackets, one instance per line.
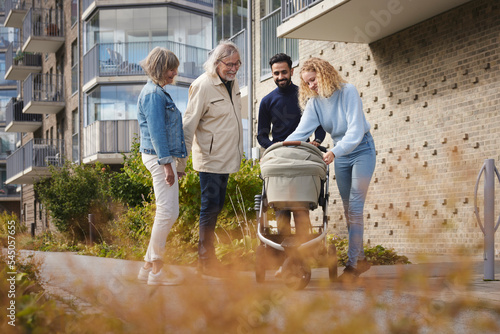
[213, 193]
[353, 173]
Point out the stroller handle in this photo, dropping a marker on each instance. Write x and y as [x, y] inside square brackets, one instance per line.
[292, 143]
[299, 143]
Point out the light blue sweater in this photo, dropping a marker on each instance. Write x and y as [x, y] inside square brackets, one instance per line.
[341, 115]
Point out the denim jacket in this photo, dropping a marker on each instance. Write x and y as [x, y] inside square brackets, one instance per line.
[160, 123]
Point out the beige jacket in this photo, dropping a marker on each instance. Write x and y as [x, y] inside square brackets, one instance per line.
[212, 126]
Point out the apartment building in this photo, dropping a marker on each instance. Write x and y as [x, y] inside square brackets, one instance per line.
[428, 74]
[9, 194]
[76, 77]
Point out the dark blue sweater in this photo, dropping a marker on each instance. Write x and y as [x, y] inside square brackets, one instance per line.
[279, 114]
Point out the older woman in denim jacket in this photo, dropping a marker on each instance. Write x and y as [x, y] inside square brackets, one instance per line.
[162, 140]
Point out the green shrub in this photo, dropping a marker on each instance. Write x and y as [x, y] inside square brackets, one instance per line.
[5, 222]
[377, 255]
[73, 192]
[238, 206]
[134, 184]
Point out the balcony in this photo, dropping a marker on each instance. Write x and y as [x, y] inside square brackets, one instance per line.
[15, 11]
[356, 21]
[104, 62]
[43, 93]
[19, 64]
[16, 121]
[31, 162]
[107, 141]
[89, 6]
[43, 30]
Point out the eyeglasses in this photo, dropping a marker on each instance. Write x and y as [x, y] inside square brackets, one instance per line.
[231, 65]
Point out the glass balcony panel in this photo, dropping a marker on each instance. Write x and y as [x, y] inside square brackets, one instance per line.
[122, 59]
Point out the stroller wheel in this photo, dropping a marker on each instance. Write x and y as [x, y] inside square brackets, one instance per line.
[332, 262]
[260, 264]
[296, 273]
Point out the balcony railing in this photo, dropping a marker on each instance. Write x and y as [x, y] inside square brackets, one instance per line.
[122, 59]
[16, 121]
[240, 39]
[272, 45]
[43, 93]
[19, 64]
[43, 30]
[31, 161]
[106, 141]
[291, 8]
[15, 10]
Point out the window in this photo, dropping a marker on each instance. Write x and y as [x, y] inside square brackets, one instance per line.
[74, 135]
[74, 67]
[7, 144]
[107, 103]
[8, 35]
[230, 18]
[270, 44]
[5, 96]
[151, 24]
[74, 11]
[2, 72]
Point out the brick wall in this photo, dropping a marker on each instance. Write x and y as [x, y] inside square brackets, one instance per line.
[432, 96]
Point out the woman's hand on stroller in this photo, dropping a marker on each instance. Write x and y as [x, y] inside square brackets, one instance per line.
[328, 157]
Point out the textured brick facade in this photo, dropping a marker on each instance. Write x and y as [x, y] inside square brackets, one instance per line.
[432, 96]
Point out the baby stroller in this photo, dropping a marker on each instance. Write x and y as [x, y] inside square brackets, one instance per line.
[295, 178]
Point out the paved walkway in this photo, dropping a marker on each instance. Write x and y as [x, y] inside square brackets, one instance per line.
[110, 285]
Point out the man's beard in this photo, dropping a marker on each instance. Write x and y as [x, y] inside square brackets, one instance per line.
[283, 83]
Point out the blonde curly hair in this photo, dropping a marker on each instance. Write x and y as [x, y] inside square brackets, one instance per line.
[329, 80]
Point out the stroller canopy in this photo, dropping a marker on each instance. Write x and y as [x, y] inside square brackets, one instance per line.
[291, 161]
[293, 174]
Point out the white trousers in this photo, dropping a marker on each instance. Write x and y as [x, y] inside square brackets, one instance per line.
[167, 207]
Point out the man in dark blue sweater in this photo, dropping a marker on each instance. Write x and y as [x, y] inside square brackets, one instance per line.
[279, 114]
[279, 111]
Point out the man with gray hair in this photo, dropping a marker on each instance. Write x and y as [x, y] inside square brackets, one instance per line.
[213, 132]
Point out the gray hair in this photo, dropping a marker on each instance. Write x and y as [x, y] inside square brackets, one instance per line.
[225, 49]
[158, 62]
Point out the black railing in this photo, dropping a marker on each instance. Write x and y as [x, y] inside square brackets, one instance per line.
[14, 56]
[14, 113]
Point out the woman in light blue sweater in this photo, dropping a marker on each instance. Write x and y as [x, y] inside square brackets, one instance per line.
[329, 101]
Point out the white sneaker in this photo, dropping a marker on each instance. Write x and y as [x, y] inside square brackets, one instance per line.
[143, 274]
[165, 277]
